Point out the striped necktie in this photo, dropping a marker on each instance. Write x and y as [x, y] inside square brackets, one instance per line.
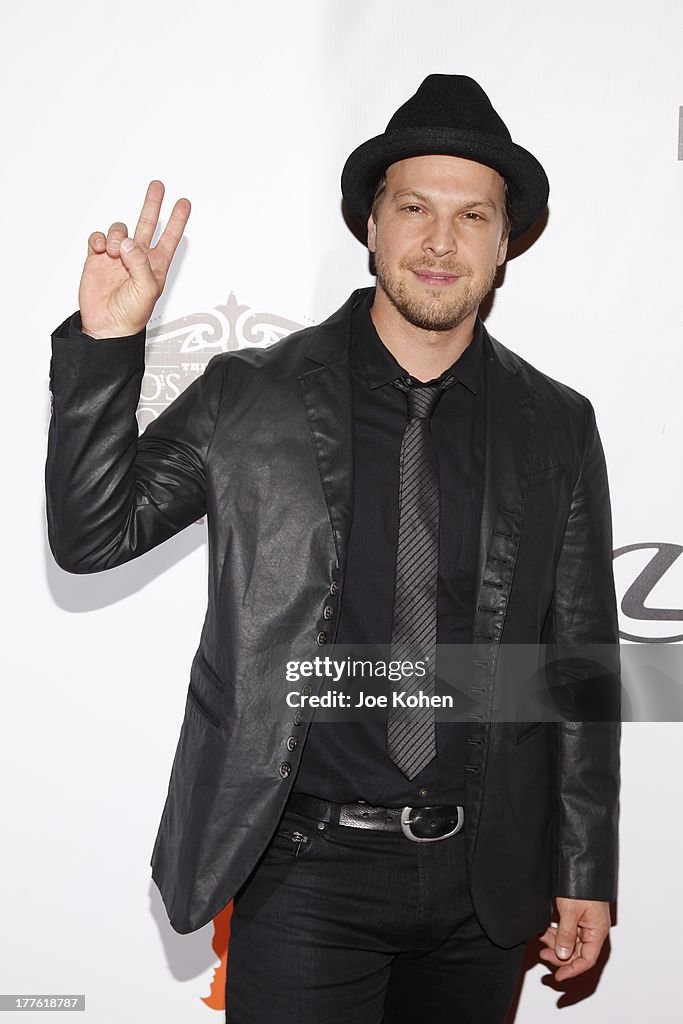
[411, 732]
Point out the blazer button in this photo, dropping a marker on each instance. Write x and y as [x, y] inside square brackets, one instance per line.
[285, 769]
[298, 718]
[327, 612]
[306, 689]
[334, 587]
[321, 638]
[292, 743]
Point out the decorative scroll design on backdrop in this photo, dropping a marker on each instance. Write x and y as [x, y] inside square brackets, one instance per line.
[177, 352]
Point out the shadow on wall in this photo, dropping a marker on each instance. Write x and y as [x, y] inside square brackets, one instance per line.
[189, 956]
[73, 592]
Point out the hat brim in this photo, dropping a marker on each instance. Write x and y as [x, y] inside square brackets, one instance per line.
[528, 187]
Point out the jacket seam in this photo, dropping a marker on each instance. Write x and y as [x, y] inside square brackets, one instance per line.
[589, 416]
[215, 424]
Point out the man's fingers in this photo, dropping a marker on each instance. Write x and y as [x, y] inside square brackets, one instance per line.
[583, 957]
[549, 956]
[136, 262]
[96, 242]
[173, 232]
[117, 232]
[577, 965]
[149, 215]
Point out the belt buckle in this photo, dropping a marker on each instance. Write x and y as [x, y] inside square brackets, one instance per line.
[408, 833]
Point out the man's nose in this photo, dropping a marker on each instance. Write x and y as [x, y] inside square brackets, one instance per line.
[440, 239]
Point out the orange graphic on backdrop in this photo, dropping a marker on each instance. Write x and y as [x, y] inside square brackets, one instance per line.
[221, 936]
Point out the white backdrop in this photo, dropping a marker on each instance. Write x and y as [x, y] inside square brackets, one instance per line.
[250, 110]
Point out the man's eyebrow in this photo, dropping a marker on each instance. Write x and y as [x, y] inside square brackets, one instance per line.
[405, 193]
[469, 204]
[479, 202]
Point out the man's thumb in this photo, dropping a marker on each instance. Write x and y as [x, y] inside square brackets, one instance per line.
[564, 944]
[136, 263]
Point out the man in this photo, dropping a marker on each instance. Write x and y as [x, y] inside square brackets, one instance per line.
[394, 476]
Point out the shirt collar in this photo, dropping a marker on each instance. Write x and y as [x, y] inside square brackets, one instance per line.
[381, 367]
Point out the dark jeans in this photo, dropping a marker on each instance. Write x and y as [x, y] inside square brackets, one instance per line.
[363, 927]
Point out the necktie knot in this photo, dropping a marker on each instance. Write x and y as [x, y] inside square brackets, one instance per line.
[422, 398]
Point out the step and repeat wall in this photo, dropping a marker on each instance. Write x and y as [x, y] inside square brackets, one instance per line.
[250, 111]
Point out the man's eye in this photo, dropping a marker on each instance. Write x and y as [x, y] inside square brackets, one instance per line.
[472, 215]
[412, 208]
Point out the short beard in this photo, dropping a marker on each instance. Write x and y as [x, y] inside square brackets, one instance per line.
[436, 313]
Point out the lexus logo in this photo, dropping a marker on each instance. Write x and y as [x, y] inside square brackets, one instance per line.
[654, 625]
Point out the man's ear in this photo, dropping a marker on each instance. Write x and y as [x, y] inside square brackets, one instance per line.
[502, 250]
[372, 233]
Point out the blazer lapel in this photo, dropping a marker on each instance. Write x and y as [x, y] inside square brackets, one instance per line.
[327, 396]
[510, 438]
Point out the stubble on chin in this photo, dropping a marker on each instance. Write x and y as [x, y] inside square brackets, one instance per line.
[433, 310]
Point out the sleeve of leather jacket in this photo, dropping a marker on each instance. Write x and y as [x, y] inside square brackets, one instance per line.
[585, 613]
[112, 495]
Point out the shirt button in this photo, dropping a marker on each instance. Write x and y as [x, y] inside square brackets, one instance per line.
[306, 689]
[334, 587]
[285, 769]
[298, 718]
[321, 638]
[292, 743]
[327, 612]
[423, 791]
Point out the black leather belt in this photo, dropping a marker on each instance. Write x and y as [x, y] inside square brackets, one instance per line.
[420, 824]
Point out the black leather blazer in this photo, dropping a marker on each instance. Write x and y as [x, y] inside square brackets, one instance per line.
[261, 445]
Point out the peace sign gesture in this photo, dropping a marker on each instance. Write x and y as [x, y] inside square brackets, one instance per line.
[123, 277]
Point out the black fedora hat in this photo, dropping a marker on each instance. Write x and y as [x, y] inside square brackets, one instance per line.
[452, 115]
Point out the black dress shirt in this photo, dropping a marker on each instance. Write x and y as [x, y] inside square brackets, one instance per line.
[347, 760]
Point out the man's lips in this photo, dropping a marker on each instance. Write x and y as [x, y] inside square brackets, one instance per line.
[435, 277]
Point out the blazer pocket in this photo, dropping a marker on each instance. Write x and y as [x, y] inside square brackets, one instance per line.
[200, 705]
[210, 672]
[529, 731]
[540, 475]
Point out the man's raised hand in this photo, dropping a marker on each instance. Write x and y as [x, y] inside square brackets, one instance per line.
[123, 277]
